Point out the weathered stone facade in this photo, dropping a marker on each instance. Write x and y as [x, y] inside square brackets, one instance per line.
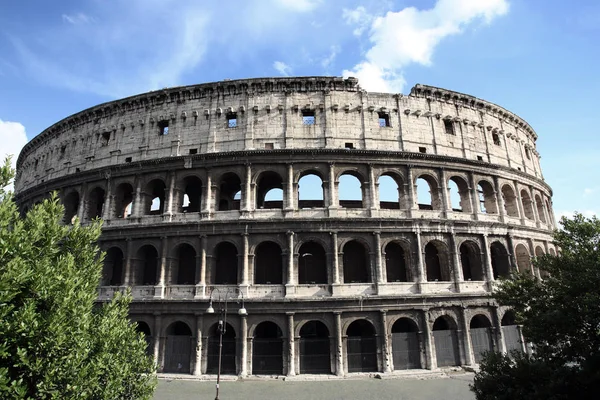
[331, 285]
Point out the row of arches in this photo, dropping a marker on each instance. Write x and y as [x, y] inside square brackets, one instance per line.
[311, 190]
[316, 351]
[313, 264]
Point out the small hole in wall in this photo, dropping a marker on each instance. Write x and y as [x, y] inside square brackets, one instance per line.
[422, 150]
[349, 145]
[77, 170]
[479, 158]
[128, 159]
[193, 151]
[269, 146]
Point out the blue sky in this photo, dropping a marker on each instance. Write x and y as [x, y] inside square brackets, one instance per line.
[537, 58]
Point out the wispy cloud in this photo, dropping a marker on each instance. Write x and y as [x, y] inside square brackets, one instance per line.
[330, 59]
[282, 68]
[77, 18]
[411, 36]
[299, 5]
[13, 138]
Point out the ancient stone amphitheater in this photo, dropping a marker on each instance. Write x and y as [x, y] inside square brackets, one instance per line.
[330, 230]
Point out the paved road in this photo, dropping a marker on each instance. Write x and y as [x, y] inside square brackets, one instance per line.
[455, 387]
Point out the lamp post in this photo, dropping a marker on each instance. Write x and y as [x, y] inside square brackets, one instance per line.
[222, 299]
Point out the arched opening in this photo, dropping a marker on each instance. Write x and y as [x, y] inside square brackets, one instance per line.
[312, 264]
[550, 214]
[487, 198]
[539, 252]
[123, 200]
[427, 194]
[406, 350]
[268, 264]
[395, 263]
[310, 192]
[510, 201]
[356, 263]
[185, 265]
[459, 195]
[350, 191]
[511, 332]
[361, 347]
[146, 267]
[267, 349]
[229, 192]
[540, 208]
[500, 260]
[527, 204]
[228, 351]
[155, 197]
[269, 193]
[178, 348]
[226, 264]
[389, 192]
[480, 330]
[113, 267]
[470, 260]
[95, 203]
[314, 348]
[192, 195]
[144, 329]
[445, 339]
[436, 262]
[552, 252]
[523, 258]
[71, 203]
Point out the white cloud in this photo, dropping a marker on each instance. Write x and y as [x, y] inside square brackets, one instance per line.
[299, 5]
[360, 17]
[588, 191]
[411, 36]
[327, 61]
[570, 213]
[282, 68]
[13, 138]
[76, 19]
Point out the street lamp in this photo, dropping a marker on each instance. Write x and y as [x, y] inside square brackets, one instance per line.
[222, 326]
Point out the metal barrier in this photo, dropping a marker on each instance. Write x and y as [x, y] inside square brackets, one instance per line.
[362, 354]
[267, 357]
[405, 350]
[315, 357]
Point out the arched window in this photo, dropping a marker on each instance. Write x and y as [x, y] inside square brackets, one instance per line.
[487, 198]
[269, 193]
[459, 195]
[500, 260]
[268, 264]
[155, 194]
[395, 263]
[113, 267]
[95, 203]
[512, 333]
[445, 340]
[470, 261]
[480, 330]
[143, 328]
[146, 266]
[192, 195]
[314, 348]
[267, 349]
[523, 258]
[361, 347]
[178, 348]
[527, 204]
[226, 264]
[71, 203]
[356, 263]
[389, 192]
[228, 350]
[540, 208]
[312, 264]
[350, 191]
[185, 265]
[123, 200]
[510, 201]
[229, 192]
[406, 350]
[428, 197]
[436, 262]
[310, 191]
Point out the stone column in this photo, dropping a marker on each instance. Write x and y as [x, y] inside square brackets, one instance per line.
[248, 189]
[82, 201]
[474, 196]
[129, 278]
[446, 203]
[245, 260]
[138, 206]
[536, 214]
[466, 338]
[333, 197]
[170, 195]
[159, 290]
[373, 203]
[499, 200]
[339, 353]
[421, 275]
[208, 200]
[412, 200]
[244, 343]
[488, 259]
[290, 286]
[430, 356]
[520, 205]
[106, 214]
[201, 268]
[456, 272]
[378, 261]
[334, 253]
[386, 356]
[157, 340]
[291, 371]
[198, 361]
[289, 194]
[511, 252]
[497, 323]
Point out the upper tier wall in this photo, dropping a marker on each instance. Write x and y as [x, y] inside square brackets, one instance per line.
[269, 114]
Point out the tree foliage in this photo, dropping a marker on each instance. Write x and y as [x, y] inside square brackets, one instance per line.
[55, 342]
[560, 315]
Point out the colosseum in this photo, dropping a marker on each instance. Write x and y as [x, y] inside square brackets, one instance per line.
[314, 227]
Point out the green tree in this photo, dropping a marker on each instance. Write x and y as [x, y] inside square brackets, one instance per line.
[561, 319]
[55, 341]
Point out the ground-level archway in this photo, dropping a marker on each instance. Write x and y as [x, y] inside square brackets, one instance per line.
[228, 351]
[406, 351]
[511, 332]
[178, 348]
[361, 347]
[446, 342]
[267, 349]
[315, 354]
[480, 330]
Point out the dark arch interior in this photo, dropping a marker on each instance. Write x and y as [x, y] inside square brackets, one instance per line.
[442, 324]
[268, 330]
[435, 263]
[228, 350]
[155, 190]
[404, 325]
[312, 264]
[192, 192]
[395, 263]
[500, 260]
[509, 318]
[470, 261]
[230, 185]
[186, 268]
[267, 182]
[361, 347]
[314, 348]
[313, 329]
[360, 327]
[123, 200]
[179, 329]
[269, 265]
[226, 264]
[356, 263]
[113, 267]
[71, 203]
[267, 354]
[96, 203]
[480, 321]
[143, 327]
[147, 259]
